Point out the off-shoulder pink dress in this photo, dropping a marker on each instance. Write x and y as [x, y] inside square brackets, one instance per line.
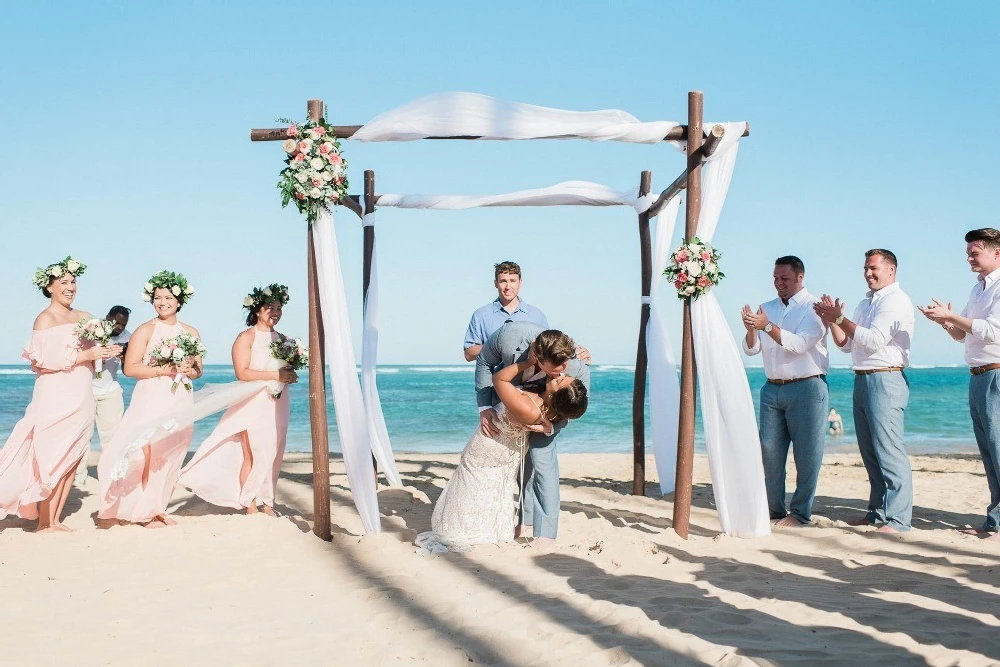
[214, 472]
[55, 432]
[125, 498]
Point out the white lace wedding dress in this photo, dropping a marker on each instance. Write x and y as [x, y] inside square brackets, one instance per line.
[479, 503]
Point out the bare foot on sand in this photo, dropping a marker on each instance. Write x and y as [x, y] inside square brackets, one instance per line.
[886, 529]
[45, 529]
[863, 521]
[980, 533]
[522, 531]
[251, 509]
[268, 510]
[104, 524]
[542, 544]
[63, 528]
[789, 522]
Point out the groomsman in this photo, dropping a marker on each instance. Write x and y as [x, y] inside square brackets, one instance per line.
[507, 307]
[878, 338]
[109, 404]
[795, 398]
[978, 326]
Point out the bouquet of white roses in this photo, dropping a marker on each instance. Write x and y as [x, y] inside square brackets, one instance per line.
[316, 175]
[98, 331]
[174, 351]
[694, 269]
[286, 352]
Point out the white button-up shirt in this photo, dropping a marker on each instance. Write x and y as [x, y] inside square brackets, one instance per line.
[109, 371]
[884, 330]
[982, 346]
[802, 352]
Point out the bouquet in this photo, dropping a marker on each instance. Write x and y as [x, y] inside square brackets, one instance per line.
[694, 269]
[316, 175]
[286, 352]
[174, 351]
[98, 331]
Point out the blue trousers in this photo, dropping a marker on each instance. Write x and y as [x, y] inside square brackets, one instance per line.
[879, 402]
[793, 414]
[984, 404]
[540, 495]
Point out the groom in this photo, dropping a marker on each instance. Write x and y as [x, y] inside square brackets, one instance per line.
[555, 356]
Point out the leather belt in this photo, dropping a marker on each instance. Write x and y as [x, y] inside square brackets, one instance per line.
[889, 369]
[979, 370]
[808, 377]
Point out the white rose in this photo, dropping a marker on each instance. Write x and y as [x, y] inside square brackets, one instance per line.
[175, 290]
[290, 145]
[248, 302]
[710, 267]
[189, 290]
[178, 354]
[326, 176]
[267, 291]
[72, 265]
[693, 269]
[316, 163]
[148, 287]
[315, 193]
[301, 177]
[689, 290]
[55, 271]
[145, 297]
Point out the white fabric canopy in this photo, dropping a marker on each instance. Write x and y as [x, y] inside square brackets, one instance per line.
[727, 405]
[475, 115]
[568, 193]
[352, 418]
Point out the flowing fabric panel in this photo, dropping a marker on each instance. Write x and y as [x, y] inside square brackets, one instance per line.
[731, 436]
[664, 387]
[352, 421]
[377, 431]
[475, 115]
[569, 193]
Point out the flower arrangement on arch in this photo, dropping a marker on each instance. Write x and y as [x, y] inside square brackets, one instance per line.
[316, 175]
[175, 282]
[97, 330]
[694, 268]
[40, 278]
[273, 293]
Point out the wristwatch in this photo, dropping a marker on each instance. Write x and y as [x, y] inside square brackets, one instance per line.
[839, 320]
[768, 327]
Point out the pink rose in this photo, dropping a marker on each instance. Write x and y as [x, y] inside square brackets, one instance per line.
[683, 277]
[299, 157]
[705, 256]
[338, 180]
[299, 196]
[317, 182]
[681, 255]
[702, 281]
[319, 130]
[334, 158]
[305, 145]
[324, 149]
[293, 131]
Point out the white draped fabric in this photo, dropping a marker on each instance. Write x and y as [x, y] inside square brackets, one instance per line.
[473, 115]
[352, 418]
[377, 431]
[569, 193]
[727, 405]
[664, 387]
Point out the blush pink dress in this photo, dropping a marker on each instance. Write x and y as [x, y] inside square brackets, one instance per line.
[214, 472]
[55, 432]
[126, 499]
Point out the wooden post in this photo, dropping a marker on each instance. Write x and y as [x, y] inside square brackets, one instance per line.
[685, 426]
[317, 386]
[639, 386]
[366, 271]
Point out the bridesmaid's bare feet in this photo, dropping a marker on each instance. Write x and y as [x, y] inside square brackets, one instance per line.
[251, 509]
[47, 528]
[63, 528]
[167, 521]
[268, 510]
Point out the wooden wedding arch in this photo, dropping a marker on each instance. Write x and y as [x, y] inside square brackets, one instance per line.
[698, 149]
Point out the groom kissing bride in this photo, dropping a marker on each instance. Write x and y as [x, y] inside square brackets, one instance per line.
[529, 383]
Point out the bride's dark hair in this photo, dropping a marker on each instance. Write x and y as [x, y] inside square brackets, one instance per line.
[570, 402]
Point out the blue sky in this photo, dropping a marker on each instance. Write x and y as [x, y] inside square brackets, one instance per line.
[125, 144]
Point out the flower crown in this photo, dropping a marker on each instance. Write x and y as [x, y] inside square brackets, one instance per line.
[270, 294]
[41, 277]
[175, 282]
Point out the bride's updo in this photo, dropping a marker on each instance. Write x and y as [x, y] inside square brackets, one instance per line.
[570, 402]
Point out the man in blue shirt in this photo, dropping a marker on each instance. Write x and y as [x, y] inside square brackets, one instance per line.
[507, 307]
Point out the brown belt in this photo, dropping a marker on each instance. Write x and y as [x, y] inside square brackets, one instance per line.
[808, 377]
[869, 371]
[979, 370]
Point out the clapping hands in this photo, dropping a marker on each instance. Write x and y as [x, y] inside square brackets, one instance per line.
[829, 309]
[753, 321]
[939, 313]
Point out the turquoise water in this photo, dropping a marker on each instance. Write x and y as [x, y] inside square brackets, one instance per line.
[432, 408]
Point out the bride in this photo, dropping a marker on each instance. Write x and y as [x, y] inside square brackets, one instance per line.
[479, 503]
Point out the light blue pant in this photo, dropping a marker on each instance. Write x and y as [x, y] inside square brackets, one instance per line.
[540, 495]
[984, 404]
[793, 414]
[879, 402]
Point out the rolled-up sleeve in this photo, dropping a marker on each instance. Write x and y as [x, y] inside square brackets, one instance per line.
[751, 351]
[987, 330]
[804, 340]
[884, 326]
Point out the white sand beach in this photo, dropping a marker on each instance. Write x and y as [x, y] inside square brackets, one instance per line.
[619, 587]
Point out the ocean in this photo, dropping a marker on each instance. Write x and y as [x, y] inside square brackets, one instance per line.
[432, 409]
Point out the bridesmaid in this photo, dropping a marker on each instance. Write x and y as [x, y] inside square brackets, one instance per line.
[238, 465]
[136, 484]
[41, 455]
